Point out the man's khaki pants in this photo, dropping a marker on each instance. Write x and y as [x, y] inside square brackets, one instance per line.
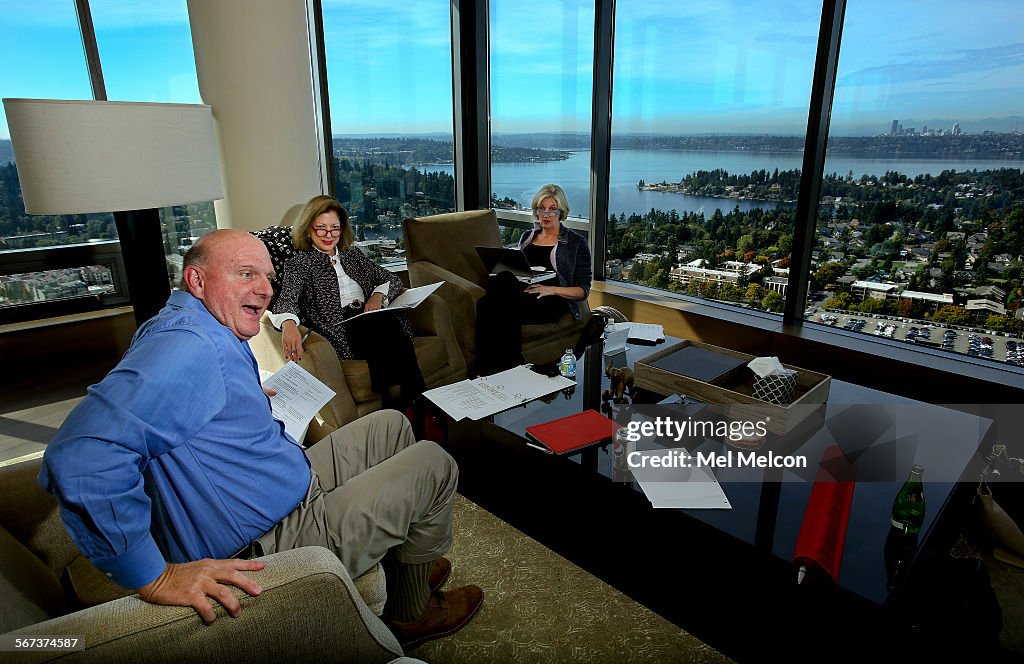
[373, 488]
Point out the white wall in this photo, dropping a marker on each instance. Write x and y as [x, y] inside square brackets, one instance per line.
[253, 64]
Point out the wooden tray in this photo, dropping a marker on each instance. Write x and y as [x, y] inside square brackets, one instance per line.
[734, 397]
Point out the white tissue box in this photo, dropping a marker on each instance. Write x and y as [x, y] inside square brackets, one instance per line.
[735, 397]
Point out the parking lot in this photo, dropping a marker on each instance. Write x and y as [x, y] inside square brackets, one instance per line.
[974, 342]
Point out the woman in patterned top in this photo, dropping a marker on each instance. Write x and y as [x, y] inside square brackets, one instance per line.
[325, 283]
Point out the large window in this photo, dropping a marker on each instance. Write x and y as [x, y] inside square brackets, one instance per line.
[542, 57]
[921, 221]
[145, 53]
[41, 51]
[389, 69]
[709, 112]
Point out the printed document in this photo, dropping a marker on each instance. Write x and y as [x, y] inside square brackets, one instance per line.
[409, 299]
[687, 488]
[615, 342]
[299, 397]
[640, 331]
[488, 395]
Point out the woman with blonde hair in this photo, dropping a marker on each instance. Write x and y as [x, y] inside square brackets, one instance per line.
[509, 304]
[328, 281]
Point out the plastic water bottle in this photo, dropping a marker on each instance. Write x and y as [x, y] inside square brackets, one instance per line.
[567, 365]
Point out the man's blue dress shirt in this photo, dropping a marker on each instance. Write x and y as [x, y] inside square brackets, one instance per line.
[174, 456]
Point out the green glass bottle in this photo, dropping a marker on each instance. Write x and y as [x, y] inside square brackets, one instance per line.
[908, 508]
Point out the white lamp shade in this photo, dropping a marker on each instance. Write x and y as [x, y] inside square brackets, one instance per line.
[75, 157]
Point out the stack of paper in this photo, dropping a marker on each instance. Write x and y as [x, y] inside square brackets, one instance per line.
[651, 332]
[409, 299]
[299, 397]
[488, 395]
[687, 488]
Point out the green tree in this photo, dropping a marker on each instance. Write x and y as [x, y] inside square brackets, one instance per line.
[827, 274]
[840, 301]
[638, 272]
[1003, 324]
[952, 315]
[773, 301]
[874, 306]
[730, 292]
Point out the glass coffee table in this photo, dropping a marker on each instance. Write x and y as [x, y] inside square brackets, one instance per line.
[710, 570]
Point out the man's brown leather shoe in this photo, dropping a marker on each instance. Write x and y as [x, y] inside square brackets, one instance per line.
[439, 573]
[447, 613]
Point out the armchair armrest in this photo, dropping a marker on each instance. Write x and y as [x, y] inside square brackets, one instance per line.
[309, 611]
[433, 318]
[460, 293]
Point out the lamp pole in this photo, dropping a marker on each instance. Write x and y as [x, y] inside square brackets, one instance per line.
[145, 265]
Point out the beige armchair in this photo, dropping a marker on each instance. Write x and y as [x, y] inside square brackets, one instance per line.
[441, 247]
[309, 611]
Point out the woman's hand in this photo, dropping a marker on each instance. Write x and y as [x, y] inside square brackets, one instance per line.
[375, 302]
[292, 341]
[541, 291]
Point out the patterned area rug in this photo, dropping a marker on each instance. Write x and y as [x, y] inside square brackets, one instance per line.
[539, 607]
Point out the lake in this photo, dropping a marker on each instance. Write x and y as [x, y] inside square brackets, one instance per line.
[521, 181]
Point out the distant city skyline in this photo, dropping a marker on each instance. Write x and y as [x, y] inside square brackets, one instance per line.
[681, 68]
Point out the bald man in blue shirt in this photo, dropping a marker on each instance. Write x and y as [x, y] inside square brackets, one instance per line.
[173, 464]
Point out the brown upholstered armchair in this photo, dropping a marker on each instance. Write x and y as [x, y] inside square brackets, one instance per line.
[309, 611]
[437, 352]
[441, 247]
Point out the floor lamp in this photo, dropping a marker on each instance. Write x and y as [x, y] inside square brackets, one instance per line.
[77, 157]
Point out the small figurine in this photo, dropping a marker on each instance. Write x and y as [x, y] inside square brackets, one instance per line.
[622, 381]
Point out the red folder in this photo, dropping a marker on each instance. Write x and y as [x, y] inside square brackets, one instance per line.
[571, 433]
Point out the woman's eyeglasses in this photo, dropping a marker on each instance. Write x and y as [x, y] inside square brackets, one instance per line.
[541, 212]
[324, 232]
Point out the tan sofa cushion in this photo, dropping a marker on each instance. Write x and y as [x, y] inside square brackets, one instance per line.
[373, 588]
[90, 585]
[30, 592]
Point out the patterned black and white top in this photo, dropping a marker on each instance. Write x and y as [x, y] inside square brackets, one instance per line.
[309, 290]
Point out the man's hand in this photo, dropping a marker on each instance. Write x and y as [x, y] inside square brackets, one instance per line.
[269, 391]
[195, 584]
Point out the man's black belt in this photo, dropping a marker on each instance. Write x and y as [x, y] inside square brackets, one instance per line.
[251, 550]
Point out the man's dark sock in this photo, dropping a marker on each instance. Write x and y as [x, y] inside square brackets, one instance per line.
[408, 590]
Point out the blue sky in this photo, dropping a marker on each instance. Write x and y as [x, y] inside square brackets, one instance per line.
[681, 67]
